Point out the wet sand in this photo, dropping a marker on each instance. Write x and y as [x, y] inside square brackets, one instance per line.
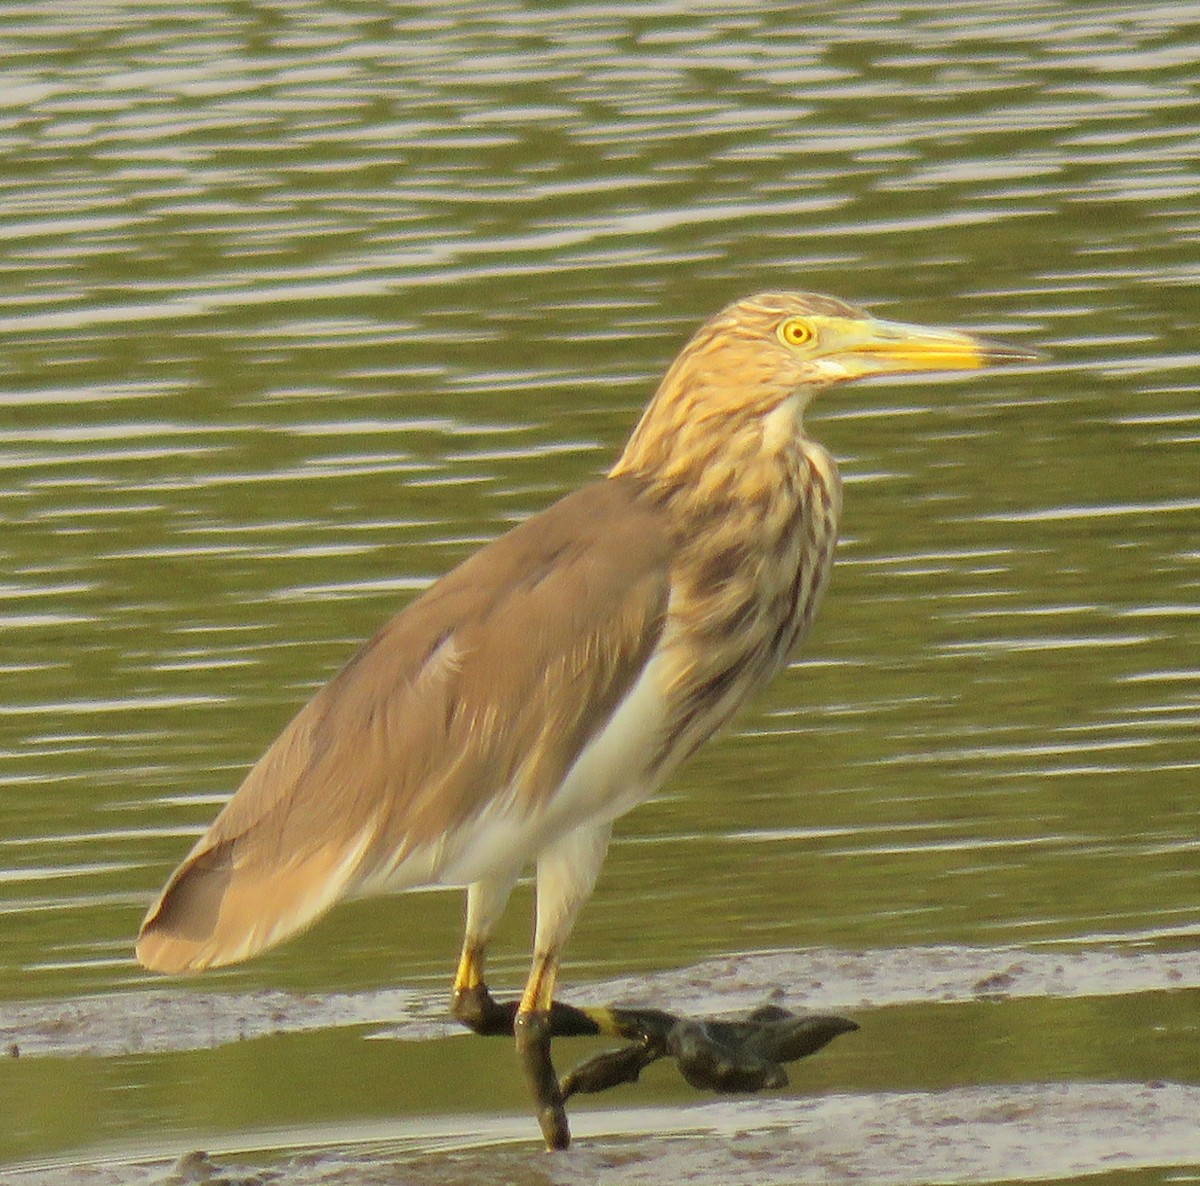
[998, 1133]
[986, 1134]
[816, 981]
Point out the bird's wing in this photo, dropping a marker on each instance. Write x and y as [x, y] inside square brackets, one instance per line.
[489, 684]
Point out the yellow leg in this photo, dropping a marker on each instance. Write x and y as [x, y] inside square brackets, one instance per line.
[566, 872]
[472, 1004]
[539, 988]
[470, 968]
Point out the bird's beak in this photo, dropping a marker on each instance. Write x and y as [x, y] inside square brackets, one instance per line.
[875, 347]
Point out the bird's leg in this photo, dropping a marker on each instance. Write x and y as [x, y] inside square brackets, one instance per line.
[647, 1031]
[472, 1004]
[566, 873]
[713, 1054]
[533, 1028]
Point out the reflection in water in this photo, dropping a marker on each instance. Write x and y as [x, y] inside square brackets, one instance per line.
[302, 303]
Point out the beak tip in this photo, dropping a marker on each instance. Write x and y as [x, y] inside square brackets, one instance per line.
[995, 353]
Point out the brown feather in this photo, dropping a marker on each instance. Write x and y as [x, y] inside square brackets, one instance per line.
[468, 720]
[492, 681]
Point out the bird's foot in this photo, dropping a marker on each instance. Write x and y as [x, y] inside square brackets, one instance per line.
[481, 1013]
[712, 1054]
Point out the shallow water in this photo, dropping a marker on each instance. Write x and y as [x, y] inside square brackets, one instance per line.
[302, 303]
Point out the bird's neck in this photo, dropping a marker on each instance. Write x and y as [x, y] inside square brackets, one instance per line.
[754, 516]
[705, 469]
[754, 513]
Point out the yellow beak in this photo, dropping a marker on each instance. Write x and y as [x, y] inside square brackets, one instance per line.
[876, 347]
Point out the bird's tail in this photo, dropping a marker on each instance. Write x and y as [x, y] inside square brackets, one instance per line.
[222, 905]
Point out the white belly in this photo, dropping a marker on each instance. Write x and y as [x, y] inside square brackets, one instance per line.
[611, 775]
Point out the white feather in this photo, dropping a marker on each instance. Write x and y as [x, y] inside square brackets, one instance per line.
[610, 776]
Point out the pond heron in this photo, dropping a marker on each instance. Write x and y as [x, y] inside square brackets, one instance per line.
[554, 679]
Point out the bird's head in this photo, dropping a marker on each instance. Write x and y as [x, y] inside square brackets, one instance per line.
[776, 351]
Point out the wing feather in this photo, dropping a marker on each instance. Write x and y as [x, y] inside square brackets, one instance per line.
[490, 683]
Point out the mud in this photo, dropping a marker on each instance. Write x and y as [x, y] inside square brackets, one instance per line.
[1006, 1133]
[986, 1134]
[818, 981]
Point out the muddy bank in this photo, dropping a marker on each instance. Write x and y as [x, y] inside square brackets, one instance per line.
[174, 1019]
[985, 1134]
[1018, 1131]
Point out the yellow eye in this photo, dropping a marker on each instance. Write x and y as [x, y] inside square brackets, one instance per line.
[795, 332]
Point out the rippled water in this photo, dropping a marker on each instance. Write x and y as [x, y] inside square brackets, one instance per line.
[300, 303]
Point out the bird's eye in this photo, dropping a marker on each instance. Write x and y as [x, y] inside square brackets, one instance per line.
[795, 332]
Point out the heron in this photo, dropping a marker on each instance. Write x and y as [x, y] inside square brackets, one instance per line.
[552, 681]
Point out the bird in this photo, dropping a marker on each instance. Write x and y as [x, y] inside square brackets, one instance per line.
[551, 682]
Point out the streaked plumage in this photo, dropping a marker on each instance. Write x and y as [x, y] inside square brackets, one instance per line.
[553, 680]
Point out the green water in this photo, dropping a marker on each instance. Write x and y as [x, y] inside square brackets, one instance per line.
[300, 302]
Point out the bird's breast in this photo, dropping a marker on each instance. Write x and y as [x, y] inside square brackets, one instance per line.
[745, 589]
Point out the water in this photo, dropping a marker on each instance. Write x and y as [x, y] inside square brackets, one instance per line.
[302, 303]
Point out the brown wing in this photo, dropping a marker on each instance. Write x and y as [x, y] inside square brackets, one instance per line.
[491, 681]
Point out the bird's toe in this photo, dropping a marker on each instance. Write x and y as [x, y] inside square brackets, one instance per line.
[787, 1038]
[480, 1012]
[719, 1055]
[710, 1061]
[608, 1069]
